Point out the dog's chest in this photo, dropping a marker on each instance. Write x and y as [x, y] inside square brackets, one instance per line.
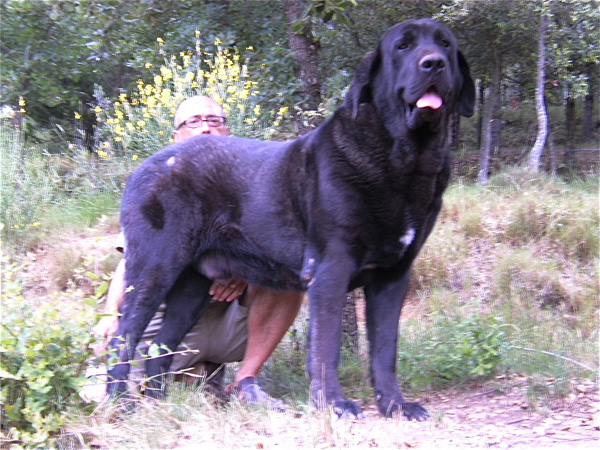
[389, 250]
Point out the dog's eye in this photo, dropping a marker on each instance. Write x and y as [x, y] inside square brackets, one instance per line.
[445, 43]
[403, 46]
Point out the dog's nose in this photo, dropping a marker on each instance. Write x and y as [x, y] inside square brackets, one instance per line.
[432, 63]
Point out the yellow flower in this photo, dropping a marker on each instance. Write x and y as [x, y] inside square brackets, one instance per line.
[257, 110]
[148, 65]
[118, 139]
[166, 73]
[77, 116]
[97, 109]
[35, 224]
[134, 157]
[22, 101]
[160, 41]
[102, 154]
[123, 97]
[158, 79]
[141, 123]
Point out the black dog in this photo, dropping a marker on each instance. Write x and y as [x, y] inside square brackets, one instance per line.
[349, 204]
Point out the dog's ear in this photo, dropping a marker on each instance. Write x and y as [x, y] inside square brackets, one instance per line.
[466, 106]
[360, 89]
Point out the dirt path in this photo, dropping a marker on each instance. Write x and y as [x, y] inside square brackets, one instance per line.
[501, 417]
[496, 415]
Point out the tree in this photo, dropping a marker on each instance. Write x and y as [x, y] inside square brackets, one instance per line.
[574, 57]
[306, 52]
[535, 154]
[495, 37]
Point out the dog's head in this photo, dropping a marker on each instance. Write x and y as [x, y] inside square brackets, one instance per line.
[414, 78]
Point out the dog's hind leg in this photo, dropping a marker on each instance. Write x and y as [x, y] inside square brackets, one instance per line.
[148, 285]
[384, 300]
[186, 303]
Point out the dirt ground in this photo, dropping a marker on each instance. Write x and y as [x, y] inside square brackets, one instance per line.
[497, 414]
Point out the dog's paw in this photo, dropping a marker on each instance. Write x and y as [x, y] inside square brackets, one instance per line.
[414, 411]
[410, 410]
[347, 409]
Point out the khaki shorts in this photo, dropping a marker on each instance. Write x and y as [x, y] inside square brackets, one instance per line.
[219, 336]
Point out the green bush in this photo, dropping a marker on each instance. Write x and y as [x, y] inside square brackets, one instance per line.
[451, 350]
[44, 353]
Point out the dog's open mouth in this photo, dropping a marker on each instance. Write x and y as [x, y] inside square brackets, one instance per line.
[425, 109]
[430, 100]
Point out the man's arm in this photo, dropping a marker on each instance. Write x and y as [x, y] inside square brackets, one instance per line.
[107, 326]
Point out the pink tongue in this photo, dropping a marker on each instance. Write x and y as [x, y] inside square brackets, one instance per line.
[430, 100]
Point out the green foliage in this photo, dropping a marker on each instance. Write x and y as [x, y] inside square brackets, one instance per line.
[44, 355]
[28, 186]
[43, 192]
[450, 350]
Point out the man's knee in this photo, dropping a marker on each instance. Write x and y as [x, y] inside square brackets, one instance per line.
[262, 295]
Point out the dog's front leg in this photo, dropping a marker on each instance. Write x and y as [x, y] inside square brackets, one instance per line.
[385, 298]
[327, 296]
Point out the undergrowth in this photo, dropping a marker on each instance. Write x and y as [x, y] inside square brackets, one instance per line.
[44, 350]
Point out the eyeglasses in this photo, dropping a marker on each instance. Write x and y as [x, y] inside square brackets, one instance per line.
[197, 122]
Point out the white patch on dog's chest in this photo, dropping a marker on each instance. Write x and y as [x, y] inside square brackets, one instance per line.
[408, 237]
[171, 161]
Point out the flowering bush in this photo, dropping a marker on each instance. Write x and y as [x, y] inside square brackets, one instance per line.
[141, 123]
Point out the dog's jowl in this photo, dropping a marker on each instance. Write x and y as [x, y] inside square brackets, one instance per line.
[349, 204]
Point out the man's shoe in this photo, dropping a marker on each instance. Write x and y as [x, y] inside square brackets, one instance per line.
[250, 391]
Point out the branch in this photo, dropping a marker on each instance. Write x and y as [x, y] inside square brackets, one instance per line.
[554, 354]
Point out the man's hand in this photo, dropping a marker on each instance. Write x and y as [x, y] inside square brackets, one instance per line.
[104, 331]
[227, 292]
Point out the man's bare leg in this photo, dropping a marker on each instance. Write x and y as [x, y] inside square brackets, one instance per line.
[270, 315]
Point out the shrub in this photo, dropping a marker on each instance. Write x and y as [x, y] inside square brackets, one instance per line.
[45, 349]
[141, 123]
[42, 192]
[451, 350]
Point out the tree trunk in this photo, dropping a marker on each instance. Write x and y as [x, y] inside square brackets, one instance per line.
[570, 117]
[535, 155]
[588, 106]
[454, 131]
[481, 113]
[306, 52]
[349, 322]
[491, 114]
